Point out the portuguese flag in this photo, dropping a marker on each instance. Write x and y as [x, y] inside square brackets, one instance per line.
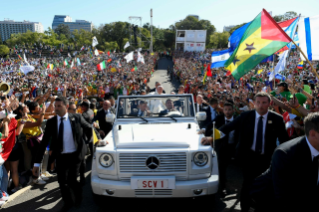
[262, 38]
[65, 62]
[101, 66]
[134, 69]
[19, 57]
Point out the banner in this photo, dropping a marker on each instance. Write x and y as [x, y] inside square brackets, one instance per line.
[94, 42]
[26, 69]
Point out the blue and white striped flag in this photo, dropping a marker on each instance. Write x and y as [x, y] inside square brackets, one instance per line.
[219, 58]
[308, 32]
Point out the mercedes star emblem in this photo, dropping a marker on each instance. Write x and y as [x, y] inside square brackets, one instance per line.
[152, 162]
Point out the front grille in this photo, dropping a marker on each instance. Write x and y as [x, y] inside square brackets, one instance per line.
[169, 162]
[154, 192]
[177, 178]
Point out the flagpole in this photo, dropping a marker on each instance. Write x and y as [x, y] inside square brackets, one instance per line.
[313, 69]
[214, 139]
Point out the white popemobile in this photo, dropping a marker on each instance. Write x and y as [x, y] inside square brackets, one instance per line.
[154, 151]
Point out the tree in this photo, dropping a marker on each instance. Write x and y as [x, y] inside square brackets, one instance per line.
[219, 40]
[236, 27]
[63, 29]
[116, 31]
[4, 50]
[288, 15]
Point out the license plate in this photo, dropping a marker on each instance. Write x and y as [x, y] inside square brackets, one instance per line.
[147, 182]
[152, 184]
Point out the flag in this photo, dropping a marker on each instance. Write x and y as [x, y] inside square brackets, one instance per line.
[108, 53]
[218, 134]
[25, 59]
[19, 57]
[78, 61]
[101, 66]
[96, 52]
[95, 139]
[82, 48]
[219, 58]
[139, 49]
[119, 64]
[94, 41]
[129, 57]
[65, 62]
[262, 38]
[72, 64]
[140, 58]
[281, 65]
[289, 27]
[26, 69]
[236, 36]
[109, 60]
[9, 142]
[288, 117]
[127, 45]
[308, 32]
[205, 77]
[69, 54]
[114, 51]
[100, 52]
[259, 71]
[209, 71]
[50, 66]
[300, 65]
[134, 69]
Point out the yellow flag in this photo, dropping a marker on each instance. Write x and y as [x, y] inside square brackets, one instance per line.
[259, 71]
[95, 139]
[218, 134]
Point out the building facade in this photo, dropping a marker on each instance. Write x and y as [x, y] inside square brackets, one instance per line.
[8, 27]
[67, 20]
[228, 28]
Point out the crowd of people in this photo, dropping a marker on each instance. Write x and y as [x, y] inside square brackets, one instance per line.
[73, 85]
[29, 99]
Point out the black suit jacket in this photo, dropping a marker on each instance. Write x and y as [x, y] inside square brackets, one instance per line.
[88, 116]
[105, 126]
[291, 178]
[51, 134]
[209, 116]
[244, 125]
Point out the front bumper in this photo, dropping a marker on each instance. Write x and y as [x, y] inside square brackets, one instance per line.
[182, 188]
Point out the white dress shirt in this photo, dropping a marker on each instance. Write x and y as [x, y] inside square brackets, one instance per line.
[213, 113]
[68, 141]
[231, 135]
[314, 153]
[253, 147]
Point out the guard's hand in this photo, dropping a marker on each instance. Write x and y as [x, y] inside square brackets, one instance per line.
[207, 140]
[35, 171]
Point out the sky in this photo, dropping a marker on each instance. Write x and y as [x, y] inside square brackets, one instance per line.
[165, 12]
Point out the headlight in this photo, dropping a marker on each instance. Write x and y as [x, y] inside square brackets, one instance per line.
[200, 159]
[106, 160]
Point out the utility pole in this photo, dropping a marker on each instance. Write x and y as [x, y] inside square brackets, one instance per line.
[151, 45]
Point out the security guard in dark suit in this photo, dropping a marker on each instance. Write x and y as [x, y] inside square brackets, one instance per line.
[88, 115]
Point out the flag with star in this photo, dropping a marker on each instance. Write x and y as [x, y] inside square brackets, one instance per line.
[262, 38]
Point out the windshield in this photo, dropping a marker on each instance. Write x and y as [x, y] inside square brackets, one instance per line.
[155, 106]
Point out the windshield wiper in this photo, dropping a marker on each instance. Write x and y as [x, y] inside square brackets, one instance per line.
[144, 119]
[172, 118]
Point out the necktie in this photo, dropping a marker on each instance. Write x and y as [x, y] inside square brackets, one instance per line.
[259, 137]
[60, 135]
[227, 121]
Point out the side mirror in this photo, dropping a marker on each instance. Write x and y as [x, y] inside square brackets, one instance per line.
[201, 116]
[110, 118]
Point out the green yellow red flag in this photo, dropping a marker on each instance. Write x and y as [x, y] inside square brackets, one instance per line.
[262, 38]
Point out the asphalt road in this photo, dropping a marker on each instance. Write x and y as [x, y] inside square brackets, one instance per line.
[48, 197]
